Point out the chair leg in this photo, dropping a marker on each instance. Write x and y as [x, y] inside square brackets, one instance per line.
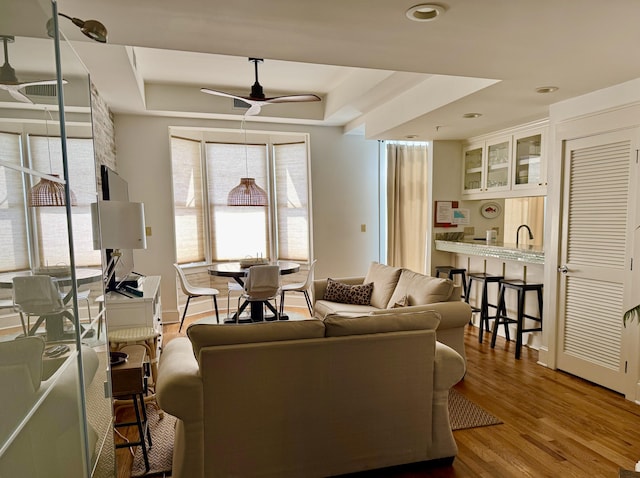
[215, 306]
[184, 314]
[308, 299]
[282, 302]
[24, 327]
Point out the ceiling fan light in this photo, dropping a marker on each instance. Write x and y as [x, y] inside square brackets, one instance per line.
[247, 193]
[47, 193]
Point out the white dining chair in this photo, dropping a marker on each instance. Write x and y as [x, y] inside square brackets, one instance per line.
[261, 285]
[192, 291]
[299, 287]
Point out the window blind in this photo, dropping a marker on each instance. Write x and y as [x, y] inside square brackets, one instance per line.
[292, 193]
[13, 221]
[187, 199]
[51, 224]
[236, 231]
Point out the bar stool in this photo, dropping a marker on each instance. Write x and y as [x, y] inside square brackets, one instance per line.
[485, 279]
[521, 287]
[450, 272]
[148, 338]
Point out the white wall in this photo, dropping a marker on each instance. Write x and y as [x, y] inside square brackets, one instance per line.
[344, 171]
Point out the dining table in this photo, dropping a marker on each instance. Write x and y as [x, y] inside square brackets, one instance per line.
[238, 272]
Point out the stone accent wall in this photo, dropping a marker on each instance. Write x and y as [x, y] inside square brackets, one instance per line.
[104, 140]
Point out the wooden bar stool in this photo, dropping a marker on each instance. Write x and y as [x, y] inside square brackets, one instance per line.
[521, 287]
[485, 279]
[450, 272]
[148, 338]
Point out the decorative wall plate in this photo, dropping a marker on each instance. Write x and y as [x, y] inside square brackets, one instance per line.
[490, 210]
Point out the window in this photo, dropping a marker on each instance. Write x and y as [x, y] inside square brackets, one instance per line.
[39, 236]
[204, 171]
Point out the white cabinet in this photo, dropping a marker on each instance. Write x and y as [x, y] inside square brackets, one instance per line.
[146, 311]
[505, 166]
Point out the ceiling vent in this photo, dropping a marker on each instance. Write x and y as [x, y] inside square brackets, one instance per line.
[42, 90]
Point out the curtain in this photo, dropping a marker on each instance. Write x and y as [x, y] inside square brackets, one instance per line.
[407, 205]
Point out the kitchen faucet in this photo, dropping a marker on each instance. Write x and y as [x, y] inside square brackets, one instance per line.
[518, 233]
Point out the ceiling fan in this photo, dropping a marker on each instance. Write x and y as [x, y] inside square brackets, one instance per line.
[8, 79]
[257, 98]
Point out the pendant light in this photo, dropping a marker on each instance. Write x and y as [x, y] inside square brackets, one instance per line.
[247, 193]
[48, 192]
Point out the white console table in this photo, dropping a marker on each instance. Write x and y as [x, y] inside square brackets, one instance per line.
[146, 311]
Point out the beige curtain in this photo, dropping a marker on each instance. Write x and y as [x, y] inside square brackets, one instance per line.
[407, 205]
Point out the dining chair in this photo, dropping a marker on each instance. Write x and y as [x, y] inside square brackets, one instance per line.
[37, 295]
[261, 285]
[299, 287]
[231, 287]
[191, 291]
[8, 304]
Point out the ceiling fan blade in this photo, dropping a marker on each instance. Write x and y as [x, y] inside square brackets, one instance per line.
[292, 99]
[226, 95]
[18, 95]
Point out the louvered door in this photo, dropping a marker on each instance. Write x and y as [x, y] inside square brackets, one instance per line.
[594, 256]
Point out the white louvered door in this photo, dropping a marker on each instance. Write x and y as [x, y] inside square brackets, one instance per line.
[595, 256]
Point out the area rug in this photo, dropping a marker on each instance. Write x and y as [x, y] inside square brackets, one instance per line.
[161, 453]
[463, 413]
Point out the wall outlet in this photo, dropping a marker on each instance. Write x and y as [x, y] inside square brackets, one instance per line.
[363, 228]
[469, 231]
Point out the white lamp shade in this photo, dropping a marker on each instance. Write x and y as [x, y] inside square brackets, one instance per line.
[120, 226]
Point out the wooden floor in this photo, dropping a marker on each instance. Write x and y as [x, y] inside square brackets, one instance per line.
[555, 425]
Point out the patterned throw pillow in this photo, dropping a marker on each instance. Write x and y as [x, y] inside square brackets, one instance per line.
[348, 294]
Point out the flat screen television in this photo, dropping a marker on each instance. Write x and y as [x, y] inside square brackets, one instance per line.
[115, 188]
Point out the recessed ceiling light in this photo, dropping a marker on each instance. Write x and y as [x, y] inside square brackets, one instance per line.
[411, 136]
[425, 12]
[547, 89]
[472, 115]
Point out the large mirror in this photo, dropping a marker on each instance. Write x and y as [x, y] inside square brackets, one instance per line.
[55, 420]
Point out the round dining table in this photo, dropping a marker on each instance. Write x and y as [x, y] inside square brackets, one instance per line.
[238, 273]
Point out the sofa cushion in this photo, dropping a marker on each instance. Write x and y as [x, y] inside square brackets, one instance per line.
[380, 322]
[322, 308]
[421, 289]
[384, 278]
[207, 334]
[348, 294]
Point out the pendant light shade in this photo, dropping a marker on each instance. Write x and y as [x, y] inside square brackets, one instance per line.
[49, 193]
[247, 193]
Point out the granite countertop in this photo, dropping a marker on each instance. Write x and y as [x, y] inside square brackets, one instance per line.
[496, 249]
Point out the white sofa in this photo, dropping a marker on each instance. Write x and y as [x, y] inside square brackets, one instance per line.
[309, 398]
[402, 290]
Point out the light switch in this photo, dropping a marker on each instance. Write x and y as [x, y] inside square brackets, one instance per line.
[147, 231]
[363, 228]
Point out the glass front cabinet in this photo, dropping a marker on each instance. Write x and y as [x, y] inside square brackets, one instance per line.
[55, 414]
[505, 166]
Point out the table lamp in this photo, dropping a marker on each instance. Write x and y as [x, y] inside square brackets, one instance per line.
[117, 225]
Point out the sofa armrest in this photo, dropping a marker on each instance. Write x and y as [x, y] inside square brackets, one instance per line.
[320, 285]
[179, 388]
[449, 368]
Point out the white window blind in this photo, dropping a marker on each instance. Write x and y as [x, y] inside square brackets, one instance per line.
[51, 223]
[236, 231]
[187, 197]
[13, 221]
[292, 201]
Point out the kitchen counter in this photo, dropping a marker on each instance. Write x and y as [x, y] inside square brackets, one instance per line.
[496, 250]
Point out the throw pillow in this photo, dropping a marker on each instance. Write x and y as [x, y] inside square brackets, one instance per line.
[348, 294]
[385, 279]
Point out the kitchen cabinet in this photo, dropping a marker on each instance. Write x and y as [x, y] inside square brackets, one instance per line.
[487, 167]
[509, 165]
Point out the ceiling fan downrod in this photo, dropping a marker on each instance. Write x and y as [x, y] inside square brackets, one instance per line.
[256, 90]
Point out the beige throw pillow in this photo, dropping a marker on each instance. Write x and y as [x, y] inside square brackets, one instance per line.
[384, 278]
[420, 289]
